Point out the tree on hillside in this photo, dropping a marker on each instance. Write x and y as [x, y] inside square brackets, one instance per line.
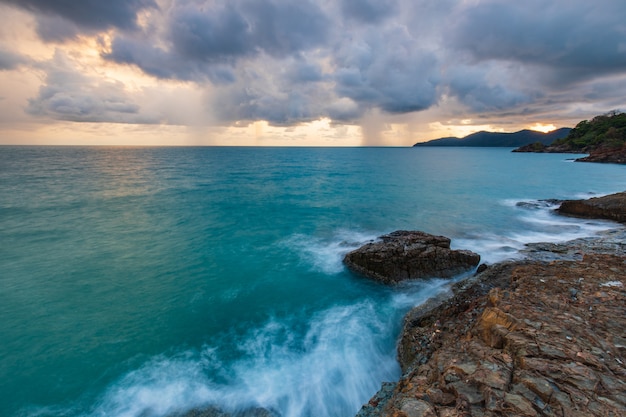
[607, 131]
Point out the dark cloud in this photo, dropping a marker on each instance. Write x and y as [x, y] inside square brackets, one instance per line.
[488, 87]
[287, 27]
[71, 95]
[10, 60]
[283, 92]
[532, 57]
[304, 72]
[85, 15]
[209, 34]
[343, 110]
[278, 109]
[165, 64]
[578, 39]
[220, 33]
[368, 11]
[54, 28]
[383, 69]
[387, 70]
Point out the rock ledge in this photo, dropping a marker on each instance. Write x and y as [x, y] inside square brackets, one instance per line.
[610, 207]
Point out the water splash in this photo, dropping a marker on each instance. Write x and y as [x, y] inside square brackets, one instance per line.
[325, 254]
[330, 369]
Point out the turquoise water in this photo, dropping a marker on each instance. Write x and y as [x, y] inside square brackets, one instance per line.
[147, 281]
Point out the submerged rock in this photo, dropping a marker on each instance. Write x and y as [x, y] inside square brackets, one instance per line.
[610, 207]
[404, 255]
[539, 204]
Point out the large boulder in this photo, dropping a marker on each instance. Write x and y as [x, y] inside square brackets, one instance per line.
[404, 255]
[610, 207]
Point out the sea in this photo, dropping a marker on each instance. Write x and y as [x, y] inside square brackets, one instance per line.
[151, 281]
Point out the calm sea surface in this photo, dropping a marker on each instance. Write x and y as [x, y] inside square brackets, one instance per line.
[147, 281]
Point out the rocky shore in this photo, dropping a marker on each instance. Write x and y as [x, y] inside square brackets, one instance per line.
[542, 336]
[611, 156]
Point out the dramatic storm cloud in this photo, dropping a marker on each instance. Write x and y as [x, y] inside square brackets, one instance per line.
[206, 40]
[519, 57]
[581, 39]
[53, 16]
[291, 62]
[369, 11]
[282, 57]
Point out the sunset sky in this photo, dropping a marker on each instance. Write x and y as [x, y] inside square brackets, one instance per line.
[305, 72]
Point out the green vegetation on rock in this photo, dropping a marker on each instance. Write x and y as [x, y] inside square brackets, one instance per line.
[607, 131]
[603, 138]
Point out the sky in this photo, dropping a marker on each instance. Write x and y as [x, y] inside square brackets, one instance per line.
[303, 72]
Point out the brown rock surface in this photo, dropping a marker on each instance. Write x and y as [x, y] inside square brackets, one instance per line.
[525, 338]
[610, 207]
[403, 255]
[610, 155]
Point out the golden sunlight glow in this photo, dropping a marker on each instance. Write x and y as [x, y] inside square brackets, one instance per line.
[540, 127]
[321, 132]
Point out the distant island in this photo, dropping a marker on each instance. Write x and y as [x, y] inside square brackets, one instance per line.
[603, 138]
[499, 139]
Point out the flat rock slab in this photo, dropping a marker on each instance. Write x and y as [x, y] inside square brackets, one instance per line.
[404, 255]
[610, 207]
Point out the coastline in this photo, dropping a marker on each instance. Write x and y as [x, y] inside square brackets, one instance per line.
[538, 336]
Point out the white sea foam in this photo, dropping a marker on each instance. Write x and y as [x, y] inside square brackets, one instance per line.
[330, 369]
[326, 254]
[547, 226]
[491, 247]
[542, 225]
[161, 387]
[412, 293]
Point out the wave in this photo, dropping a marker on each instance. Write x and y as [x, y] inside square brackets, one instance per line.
[538, 223]
[330, 369]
